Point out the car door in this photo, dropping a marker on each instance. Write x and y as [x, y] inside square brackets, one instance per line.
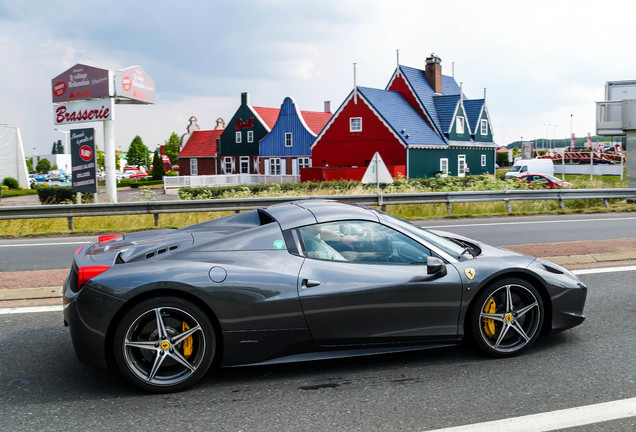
[375, 290]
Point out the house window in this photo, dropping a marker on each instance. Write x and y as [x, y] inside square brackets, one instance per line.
[304, 162]
[483, 160]
[288, 139]
[228, 164]
[250, 136]
[355, 124]
[443, 167]
[460, 125]
[245, 164]
[194, 167]
[274, 166]
[484, 127]
[238, 137]
[461, 165]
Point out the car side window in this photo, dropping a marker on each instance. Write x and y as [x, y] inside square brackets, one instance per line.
[361, 242]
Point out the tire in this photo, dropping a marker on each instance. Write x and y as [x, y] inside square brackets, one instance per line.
[163, 363]
[506, 318]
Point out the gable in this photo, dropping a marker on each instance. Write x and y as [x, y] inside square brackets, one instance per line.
[201, 144]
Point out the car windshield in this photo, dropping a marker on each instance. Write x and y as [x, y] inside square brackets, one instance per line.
[515, 168]
[552, 178]
[448, 246]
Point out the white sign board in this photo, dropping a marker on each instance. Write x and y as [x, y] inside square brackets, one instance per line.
[377, 172]
[84, 111]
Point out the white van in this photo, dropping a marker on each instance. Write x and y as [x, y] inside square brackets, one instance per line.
[531, 166]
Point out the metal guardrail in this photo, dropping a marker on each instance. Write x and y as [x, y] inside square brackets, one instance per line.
[157, 208]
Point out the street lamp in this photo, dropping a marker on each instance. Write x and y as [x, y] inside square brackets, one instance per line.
[65, 139]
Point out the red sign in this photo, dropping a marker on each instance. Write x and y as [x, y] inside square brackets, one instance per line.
[83, 111]
[240, 124]
[126, 83]
[165, 158]
[86, 153]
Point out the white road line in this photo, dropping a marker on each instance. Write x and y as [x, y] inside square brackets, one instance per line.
[30, 309]
[553, 420]
[43, 244]
[604, 270]
[530, 222]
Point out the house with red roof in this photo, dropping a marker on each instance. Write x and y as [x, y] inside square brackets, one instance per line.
[238, 149]
[199, 151]
[286, 149]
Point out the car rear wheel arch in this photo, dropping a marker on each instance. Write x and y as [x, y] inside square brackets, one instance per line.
[110, 335]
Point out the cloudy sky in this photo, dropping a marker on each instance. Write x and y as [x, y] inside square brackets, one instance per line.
[544, 63]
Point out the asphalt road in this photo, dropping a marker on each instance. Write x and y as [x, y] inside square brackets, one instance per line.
[56, 253]
[44, 387]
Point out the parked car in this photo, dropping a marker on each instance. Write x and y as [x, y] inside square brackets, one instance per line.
[545, 180]
[139, 175]
[302, 280]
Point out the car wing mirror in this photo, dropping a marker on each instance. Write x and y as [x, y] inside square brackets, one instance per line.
[435, 266]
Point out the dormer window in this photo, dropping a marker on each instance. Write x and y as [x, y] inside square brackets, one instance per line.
[484, 127]
[460, 125]
[355, 124]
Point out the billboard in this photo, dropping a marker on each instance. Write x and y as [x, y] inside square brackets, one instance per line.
[134, 86]
[81, 82]
[83, 111]
[83, 160]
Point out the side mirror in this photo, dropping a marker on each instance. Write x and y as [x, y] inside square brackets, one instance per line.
[434, 266]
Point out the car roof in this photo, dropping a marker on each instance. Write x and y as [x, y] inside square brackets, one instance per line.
[305, 212]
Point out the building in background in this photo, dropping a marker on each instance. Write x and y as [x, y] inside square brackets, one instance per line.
[12, 159]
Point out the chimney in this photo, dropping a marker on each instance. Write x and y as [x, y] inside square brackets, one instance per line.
[328, 107]
[245, 100]
[433, 72]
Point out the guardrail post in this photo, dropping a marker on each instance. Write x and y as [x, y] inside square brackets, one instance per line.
[156, 216]
[70, 223]
[606, 202]
[449, 208]
[508, 206]
[561, 203]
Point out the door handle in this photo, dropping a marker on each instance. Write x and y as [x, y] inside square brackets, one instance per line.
[309, 283]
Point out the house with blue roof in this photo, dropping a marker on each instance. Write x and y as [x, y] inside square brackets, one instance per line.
[422, 124]
[285, 150]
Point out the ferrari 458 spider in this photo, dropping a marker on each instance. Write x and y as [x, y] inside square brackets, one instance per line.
[298, 281]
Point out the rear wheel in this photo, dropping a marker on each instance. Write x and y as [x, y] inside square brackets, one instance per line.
[164, 344]
[506, 318]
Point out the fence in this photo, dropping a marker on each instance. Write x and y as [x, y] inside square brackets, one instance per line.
[157, 208]
[226, 180]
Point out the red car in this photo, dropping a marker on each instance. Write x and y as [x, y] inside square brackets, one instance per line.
[139, 175]
[546, 180]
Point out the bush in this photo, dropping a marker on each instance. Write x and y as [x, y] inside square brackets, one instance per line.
[60, 195]
[11, 183]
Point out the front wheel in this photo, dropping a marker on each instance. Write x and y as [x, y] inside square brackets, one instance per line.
[164, 344]
[506, 318]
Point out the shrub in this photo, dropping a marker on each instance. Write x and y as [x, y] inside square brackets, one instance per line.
[11, 183]
[60, 195]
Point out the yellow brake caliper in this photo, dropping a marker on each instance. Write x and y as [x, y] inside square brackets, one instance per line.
[489, 323]
[187, 343]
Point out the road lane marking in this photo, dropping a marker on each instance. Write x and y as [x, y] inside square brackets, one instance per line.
[529, 222]
[43, 244]
[30, 309]
[553, 420]
[603, 270]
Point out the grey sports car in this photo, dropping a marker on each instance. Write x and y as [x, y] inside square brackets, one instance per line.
[298, 281]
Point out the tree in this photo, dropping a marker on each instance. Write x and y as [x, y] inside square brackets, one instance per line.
[43, 166]
[158, 171]
[29, 164]
[171, 148]
[137, 153]
[58, 148]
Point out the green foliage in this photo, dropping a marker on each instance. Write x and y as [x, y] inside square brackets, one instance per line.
[137, 153]
[158, 171]
[11, 183]
[60, 195]
[29, 164]
[171, 148]
[58, 148]
[43, 166]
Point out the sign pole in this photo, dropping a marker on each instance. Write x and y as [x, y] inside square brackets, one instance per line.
[109, 161]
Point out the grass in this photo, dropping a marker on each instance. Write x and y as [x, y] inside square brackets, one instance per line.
[110, 224]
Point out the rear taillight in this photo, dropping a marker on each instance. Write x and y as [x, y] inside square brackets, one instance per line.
[88, 272]
[109, 238]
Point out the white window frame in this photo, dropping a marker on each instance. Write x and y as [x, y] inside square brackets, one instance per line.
[304, 162]
[483, 160]
[274, 166]
[484, 127]
[244, 162]
[194, 167]
[443, 166]
[228, 164]
[288, 139]
[355, 124]
[250, 136]
[459, 125]
[461, 165]
[238, 137]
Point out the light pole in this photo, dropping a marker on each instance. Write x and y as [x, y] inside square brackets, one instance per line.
[65, 139]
